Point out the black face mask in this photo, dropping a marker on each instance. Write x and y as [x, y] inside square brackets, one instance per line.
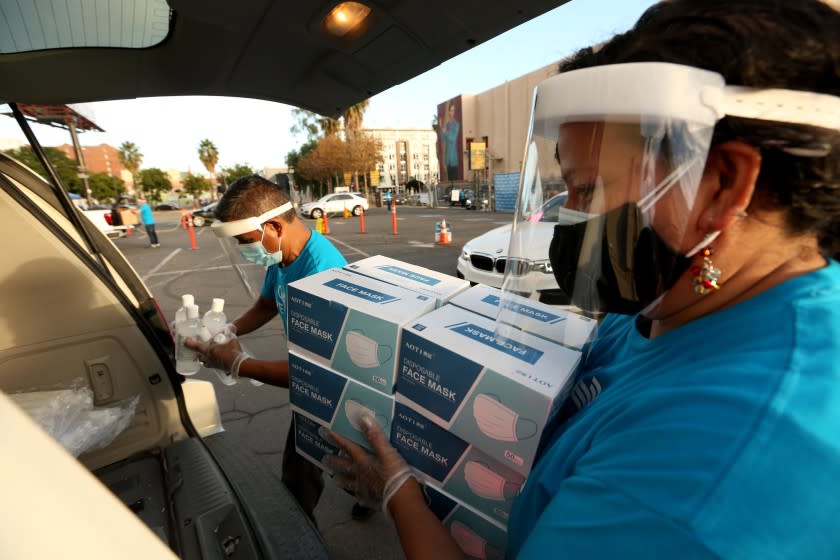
[621, 268]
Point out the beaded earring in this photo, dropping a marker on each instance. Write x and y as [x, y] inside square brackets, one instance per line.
[706, 275]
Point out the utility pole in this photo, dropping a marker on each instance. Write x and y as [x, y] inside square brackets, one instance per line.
[83, 175]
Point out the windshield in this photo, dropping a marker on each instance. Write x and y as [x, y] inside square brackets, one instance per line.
[551, 210]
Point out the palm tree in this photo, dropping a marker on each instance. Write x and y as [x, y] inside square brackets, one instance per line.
[354, 116]
[209, 156]
[131, 158]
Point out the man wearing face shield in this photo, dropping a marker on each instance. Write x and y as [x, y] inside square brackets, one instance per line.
[258, 215]
[701, 152]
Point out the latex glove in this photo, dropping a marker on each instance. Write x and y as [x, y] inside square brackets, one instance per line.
[227, 356]
[229, 331]
[372, 478]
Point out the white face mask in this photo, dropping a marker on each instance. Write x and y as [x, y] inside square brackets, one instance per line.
[472, 544]
[364, 351]
[487, 484]
[497, 421]
[355, 411]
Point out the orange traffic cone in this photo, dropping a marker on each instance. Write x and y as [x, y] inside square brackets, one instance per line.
[443, 233]
[326, 224]
[362, 221]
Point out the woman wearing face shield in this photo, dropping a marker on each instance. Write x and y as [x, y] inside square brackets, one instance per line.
[701, 151]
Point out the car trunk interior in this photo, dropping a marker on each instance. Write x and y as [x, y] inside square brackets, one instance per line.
[71, 318]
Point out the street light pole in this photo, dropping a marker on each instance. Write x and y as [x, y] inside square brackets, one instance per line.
[80, 158]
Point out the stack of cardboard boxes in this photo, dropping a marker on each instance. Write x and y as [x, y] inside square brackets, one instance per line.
[449, 372]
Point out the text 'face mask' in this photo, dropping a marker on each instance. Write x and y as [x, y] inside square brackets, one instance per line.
[498, 422]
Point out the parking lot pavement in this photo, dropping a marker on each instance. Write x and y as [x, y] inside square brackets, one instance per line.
[260, 415]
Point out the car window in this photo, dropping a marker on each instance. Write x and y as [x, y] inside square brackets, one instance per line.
[550, 212]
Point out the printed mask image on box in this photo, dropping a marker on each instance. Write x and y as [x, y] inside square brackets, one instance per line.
[495, 391]
[497, 421]
[351, 324]
[335, 401]
[366, 352]
[441, 287]
[448, 463]
[477, 535]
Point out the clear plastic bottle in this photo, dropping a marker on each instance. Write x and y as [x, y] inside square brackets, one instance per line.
[215, 319]
[186, 360]
[186, 301]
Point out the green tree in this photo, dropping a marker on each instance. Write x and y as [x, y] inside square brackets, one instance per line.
[194, 185]
[292, 159]
[105, 187]
[131, 158]
[154, 182]
[233, 173]
[313, 125]
[66, 168]
[209, 156]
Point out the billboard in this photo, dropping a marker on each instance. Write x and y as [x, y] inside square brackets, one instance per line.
[450, 134]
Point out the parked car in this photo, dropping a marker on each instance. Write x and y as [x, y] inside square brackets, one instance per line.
[76, 315]
[333, 204]
[167, 206]
[205, 215]
[103, 219]
[484, 259]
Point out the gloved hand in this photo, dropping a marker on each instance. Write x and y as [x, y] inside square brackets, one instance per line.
[373, 479]
[227, 357]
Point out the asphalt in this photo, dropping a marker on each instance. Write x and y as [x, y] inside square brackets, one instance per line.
[260, 415]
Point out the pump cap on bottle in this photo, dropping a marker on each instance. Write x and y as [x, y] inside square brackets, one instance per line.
[192, 312]
[218, 305]
[187, 300]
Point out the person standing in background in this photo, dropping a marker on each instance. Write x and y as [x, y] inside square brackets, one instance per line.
[145, 213]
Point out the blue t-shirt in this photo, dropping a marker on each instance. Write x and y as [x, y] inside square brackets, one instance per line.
[318, 255]
[718, 439]
[146, 214]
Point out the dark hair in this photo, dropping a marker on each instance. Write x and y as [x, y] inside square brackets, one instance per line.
[788, 44]
[251, 196]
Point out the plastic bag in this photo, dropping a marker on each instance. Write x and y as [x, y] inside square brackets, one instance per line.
[70, 417]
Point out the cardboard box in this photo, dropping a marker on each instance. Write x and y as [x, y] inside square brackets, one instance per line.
[442, 287]
[309, 443]
[496, 390]
[478, 536]
[450, 464]
[335, 401]
[546, 321]
[352, 323]
[128, 217]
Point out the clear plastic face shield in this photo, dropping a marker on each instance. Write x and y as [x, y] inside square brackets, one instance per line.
[607, 207]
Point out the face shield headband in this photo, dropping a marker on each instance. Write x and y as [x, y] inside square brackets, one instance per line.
[606, 254]
[245, 225]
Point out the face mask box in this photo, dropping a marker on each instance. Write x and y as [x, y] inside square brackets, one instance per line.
[448, 463]
[309, 443]
[351, 323]
[478, 536]
[545, 321]
[441, 287]
[335, 401]
[494, 390]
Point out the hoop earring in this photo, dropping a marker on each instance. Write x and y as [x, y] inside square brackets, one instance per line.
[706, 275]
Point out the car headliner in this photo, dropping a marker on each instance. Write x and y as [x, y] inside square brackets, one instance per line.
[269, 50]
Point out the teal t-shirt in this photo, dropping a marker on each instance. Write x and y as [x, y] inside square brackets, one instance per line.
[318, 255]
[146, 214]
[720, 439]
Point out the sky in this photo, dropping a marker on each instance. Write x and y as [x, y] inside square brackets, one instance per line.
[167, 130]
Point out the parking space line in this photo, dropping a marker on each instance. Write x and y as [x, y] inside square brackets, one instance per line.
[334, 240]
[159, 265]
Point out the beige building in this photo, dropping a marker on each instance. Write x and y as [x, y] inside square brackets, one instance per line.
[406, 154]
